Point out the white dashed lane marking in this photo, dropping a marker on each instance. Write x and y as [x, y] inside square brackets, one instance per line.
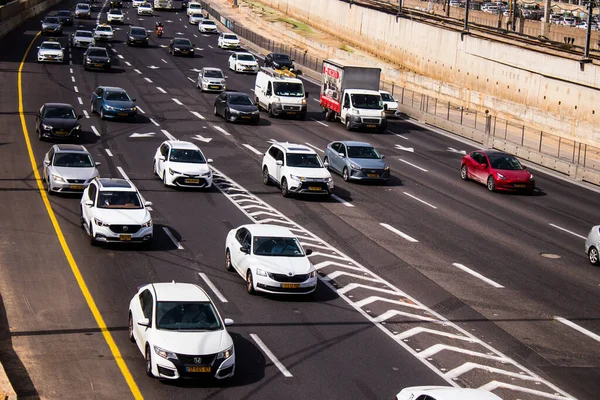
[80, 100]
[163, 60]
[73, 79]
[168, 135]
[86, 114]
[223, 131]
[120, 56]
[76, 89]
[177, 101]
[175, 241]
[138, 71]
[314, 147]
[197, 114]
[412, 165]
[478, 275]
[568, 231]
[319, 122]
[154, 122]
[399, 233]
[161, 89]
[212, 287]
[128, 63]
[252, 149]
[578, 328]
[148, 80]
[270, 355]
[422, 201]
[142, 111]
[110, 154]
[340, 200]
[95, 131]
[123, 174]
[190, 79]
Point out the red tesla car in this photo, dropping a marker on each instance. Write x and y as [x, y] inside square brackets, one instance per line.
[497, 170]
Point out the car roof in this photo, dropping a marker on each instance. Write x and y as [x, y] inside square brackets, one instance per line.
[182, 144]
[236, 92]
[491, 152]
[50, 42]
[112, 88]
[212, 69]
[207, 20]
[115, 184]
[243, 52]
[97, 48]
[69, 148]
[268, 230]
[385, 91]
[138, 27]
[181, 38]
[280, 54]
[178, 291]
[295, 148]
[82, 30]
[454, 393]
[58, 105]
[355, 143]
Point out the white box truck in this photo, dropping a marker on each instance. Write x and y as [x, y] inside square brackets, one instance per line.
[279, 92]
[350, 94]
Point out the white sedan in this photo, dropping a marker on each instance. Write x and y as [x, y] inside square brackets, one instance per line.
[444, 393]
[183, 164]
[390, 105]
[270, 259]
[115, 15]
[228, 41]
[68, 168]
[179, 331]
[103, 32]
[136, 3]
[83, 39]
[145, 9]
[243, 62]
[207, 26]
[112, 210]
[50, 51]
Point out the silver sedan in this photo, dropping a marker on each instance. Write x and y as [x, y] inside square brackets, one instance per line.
[356, 161]
[68, 168]
[592, 245]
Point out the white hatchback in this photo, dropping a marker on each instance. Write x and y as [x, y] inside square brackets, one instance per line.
[182, 164]
[270, 259]
[228, 41]
[179, 331]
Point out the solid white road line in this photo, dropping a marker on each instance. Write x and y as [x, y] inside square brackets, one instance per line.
[578, 328]
[478, 275]
[412, 165]
[177, 101]
[123, 174]
[128, 63]
[120, 56]
[212, 287]
[319, 122]
[252, 149]
[190, 79]
[168, 135]
[73, 79]
[399, 233]
[314, 147]
[161, 89]
[197, 114]
[271, 356]
[142, 111]
[110, 154]
[339, 199]
[76, 89]
[163, 60]
[568, 231]
[399, 135]
[154, 122]
[170, 235]
[223, 131]
[80, 100]
[138, 71]
[148, 80]
[418, 199]
[86, 114]
[95, 131]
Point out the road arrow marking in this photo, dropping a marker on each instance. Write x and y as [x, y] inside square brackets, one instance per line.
[138, 135]
[153, 67]
[398, 147]
[452, 150]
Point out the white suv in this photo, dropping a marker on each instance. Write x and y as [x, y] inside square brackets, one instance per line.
[112, 210]
[296, 169]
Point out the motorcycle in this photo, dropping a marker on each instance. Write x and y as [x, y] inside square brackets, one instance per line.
[159, 31]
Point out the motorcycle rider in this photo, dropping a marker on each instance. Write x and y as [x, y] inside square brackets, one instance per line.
[158, 26]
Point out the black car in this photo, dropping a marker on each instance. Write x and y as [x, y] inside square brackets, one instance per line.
[57, 120]
[137, 35]
[51, 26]
[181, 47]
[236, 106]
[116, 3]
[65, 17]
[279, 61]
[96, 58]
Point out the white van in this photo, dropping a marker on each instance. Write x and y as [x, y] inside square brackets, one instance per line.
[280, 92]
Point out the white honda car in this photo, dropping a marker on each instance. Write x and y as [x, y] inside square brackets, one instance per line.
[179, 331]
[444, 393]
[180, 163]
[112, 210]
[271, 259]
[243, 62]
[228, 41]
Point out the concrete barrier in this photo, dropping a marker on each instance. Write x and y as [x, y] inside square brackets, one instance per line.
[17, 12]
[6, 390]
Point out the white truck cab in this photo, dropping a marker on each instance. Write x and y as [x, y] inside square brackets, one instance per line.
[279, 92]
[363, 109]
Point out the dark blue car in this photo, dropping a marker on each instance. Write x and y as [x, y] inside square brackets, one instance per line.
[112, 102]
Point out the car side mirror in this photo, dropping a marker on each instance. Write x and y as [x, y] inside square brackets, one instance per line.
[144, 322]
[210, 161]
[46, 162]
[523, 166]
[148, 204]
[79, 116]
[382, 156]
[97, 163]
[38, 47]
[308, 252]
[89, 203]
[245, 249]
[306, 94]
[161, 158]
[341, 155]
[279, 162]
[326, 164]
[228, 321]
[133, 99]
[226, 77]
[483, 165]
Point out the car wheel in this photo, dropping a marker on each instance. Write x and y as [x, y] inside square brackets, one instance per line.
[227, 115]
[348, 127]
[215, 111]
[48, 187]
[326, 161]
[345, 175]
[464, 173]
[593, 256]
[102, 116]
[92, 108]
[165, 179]
[266, 179]
[284, 188]
[228, 265]
[250, 283]
[149, 362]
[154, 168]
[491, 184]
[92, 237]
[270, 110]
[40, 137]
[130, 329]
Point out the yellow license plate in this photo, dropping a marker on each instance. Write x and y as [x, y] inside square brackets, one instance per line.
[314, 188]
[373, 175]
[290, 285]
[213, 87]
[98, 65]
[371, 126]
[197, 369]
[192, 180]
[520, 186]
[77, 187]
[61, 132]
[291, 112]
[123, 114]
[125, 238]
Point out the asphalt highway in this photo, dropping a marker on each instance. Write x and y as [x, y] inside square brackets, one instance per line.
[400, 304]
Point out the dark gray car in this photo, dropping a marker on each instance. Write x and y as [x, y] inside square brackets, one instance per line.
[236, 106]
[96, 58]
[51, 26]
[137, 35]
[356, 161]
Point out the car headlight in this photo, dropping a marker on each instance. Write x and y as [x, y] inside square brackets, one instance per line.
[255, 112]
[176, 49]
[383, 113]
[276, 99]
[226, 353]
[354, 166]
[530, 177]
[134, 109]
[47, 127]
[57, 178]
[297, 178]
[88, 60]
[500, 176]
[386, 168]
[173, 172]
[234, 111]
[261, 272]
[100, 223]
[147, 224]
[77, 127]
[164, 353]
[313, 274]
[303, 102]
[109, 107]
[329, 180]
[209, 173]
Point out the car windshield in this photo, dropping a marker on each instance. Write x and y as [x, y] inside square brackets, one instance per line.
[97, 53]
[138, 31]
[116, 96]
[277, 247]
[281, 57]
[240, 100]
[84, 7]
[197, 15]
[187, 156]
[73, 160]
[50, 46]
[51, 20]
[119, 199]
[83, 34]
[230, 37]
[116, 12]
[362, 152]
[367, 101]
[103, 29]
[186, 316]
[195, 6]
[59, 112]
[64, 13]
[182, 42]
[145, 5]
[387, 97]
[291, 89]
[246, 57]
[303, 160]
[211, 73]
[207, 22]
[505, 162]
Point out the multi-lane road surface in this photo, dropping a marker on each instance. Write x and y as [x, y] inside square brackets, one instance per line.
[424, 280]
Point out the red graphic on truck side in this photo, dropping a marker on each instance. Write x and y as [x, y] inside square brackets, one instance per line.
[331, 87]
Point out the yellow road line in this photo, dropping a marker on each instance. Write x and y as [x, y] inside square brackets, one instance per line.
[65, 247]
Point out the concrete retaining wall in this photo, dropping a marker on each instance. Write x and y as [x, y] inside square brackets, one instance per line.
[15, 13]
[546, 92]
[6, 389]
